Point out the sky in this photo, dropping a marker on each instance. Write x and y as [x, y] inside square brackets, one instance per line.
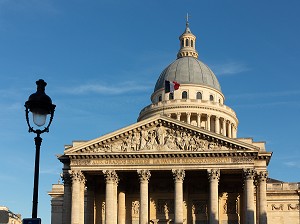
[101, 60]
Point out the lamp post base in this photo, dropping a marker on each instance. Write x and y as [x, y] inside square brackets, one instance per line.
[32, 221]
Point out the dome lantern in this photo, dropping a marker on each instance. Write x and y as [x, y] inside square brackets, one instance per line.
[187, 43]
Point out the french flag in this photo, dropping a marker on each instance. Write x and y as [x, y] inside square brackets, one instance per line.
[171, 86]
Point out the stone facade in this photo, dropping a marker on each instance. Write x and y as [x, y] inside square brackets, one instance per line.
[8, 217]
[181, 163]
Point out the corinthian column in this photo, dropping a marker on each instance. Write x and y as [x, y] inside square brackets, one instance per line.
[78, 182]
[67, 197]
[188, 116]
[111, 179]
[144, 202]
[178, 195]
[213, 177]
[262, 185]
[208, 122]
[249, 195]
[217, 125]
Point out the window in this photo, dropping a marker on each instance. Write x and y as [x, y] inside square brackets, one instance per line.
[159, 98]
[187, 43]
[182, 43]
[171, 96]
[199, 96]
[192, 43]
[184, 95]
[211, 98]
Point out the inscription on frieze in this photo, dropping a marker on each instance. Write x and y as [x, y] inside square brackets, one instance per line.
[149, 161]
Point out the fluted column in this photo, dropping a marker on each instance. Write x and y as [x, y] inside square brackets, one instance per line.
[249, 195]
[78, 181]
[178, 195]
[144, 176]
[217, 125]
[213, 177]
[178, 116]
[224, 127]
[121, 207]
[111, 179]
[262, 198]
[188, 115]
[67, 204]
[229, 129]
[199, 119]
[208, 122]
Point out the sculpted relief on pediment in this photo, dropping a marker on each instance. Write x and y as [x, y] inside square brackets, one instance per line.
[157, 138]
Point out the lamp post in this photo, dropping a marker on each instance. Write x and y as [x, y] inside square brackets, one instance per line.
[40, 105]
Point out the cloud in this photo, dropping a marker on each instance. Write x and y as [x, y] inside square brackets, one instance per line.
[292, 164]
[230, 68]
[265, 94]
[107, 89]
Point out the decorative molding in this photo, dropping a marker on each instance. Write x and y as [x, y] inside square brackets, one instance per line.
[277, 207]
[213, 174]
[144, 175]
[249, 174]
[111, 176]
[77, 176]
[178, 175]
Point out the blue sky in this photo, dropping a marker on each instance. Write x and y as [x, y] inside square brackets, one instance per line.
[101, 60]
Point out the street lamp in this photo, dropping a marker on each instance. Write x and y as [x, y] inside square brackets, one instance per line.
[40, 105]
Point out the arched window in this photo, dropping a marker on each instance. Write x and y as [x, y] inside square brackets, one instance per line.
[192, 43]
[211, 98]
[186, 42]
[159, 98]
[184, 95]
[199, 96]
[171, 96]
[182, 43]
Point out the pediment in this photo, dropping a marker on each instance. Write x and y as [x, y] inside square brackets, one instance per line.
[159, 134]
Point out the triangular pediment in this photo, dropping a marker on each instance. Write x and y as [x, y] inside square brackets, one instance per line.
[159, 134]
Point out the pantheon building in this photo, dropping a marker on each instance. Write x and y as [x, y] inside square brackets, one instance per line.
[180, 163]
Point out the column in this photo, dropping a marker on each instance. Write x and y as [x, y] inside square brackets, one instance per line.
[90, 202]
[262, 197]
[144, 176]
[217, 125]
[67, 196]
[178, 195]
[234, 131]
[249, 195]
[111, 179]
[78, 182]
[188, 115]
[208, 122]
[229, 130]
[213, 177]
[199, 120]
[224, 127]
[178, 116]
[121, 207]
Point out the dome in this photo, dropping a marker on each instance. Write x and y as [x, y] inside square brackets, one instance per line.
[188, 70]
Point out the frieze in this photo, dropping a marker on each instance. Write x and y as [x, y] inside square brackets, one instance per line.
[149, 161]
[158, 138]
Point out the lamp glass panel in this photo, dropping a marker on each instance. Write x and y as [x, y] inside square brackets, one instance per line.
[39, 119]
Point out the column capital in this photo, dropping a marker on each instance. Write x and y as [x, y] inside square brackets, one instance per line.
[111, 176]
[217, 117]
[144, 175]
[188, 113]
[66, 178]
[199, 114]
[262, 176]
[178, 174]
[208, 115]
[249, 173]
[213, 174]
[77, 176]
